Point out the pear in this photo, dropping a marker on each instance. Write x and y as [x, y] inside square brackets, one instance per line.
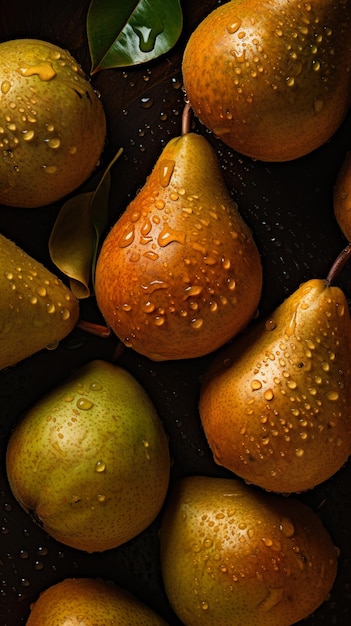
[275, 404]
[90, 461]
[342, 197]
[92, 602]
[179, 273]
[234, 555]
[271, 78]
[52, 123]
[36, 308]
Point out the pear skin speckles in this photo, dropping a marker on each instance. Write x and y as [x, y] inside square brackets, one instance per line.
[52, 124]
[36, 308]
[90, 460]
[103, 602]
[234, 555]
[275, 405]
[255, 71]
[192, 273]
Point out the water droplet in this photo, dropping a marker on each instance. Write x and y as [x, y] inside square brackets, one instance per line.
[166, 168]
[287, 527]
[170, 235]
[267, 542]
[148, 307]
[176, 83]
[194, 290]
[50, 169]
[96, 386]
[256, 384]
[44, 70]
[270, 324]
[23, 554]
[5, 86]
[66, 314]
[268, 395]
[197, 323]
[54, 143]
[41, 291]
[100, 466]
[84, 404]
[100, 497]
[159, 320]
[332, 395]
[147, 37]
[234, 26]
[146, 102]
[127, 236]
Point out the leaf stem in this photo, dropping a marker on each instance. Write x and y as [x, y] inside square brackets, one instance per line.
[339, 263]
[186, 119]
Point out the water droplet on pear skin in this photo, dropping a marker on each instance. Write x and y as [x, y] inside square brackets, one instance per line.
[166, 168]
[100, 466]
[84, 404]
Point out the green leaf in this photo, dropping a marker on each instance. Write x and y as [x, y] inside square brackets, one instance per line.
[130, 32]
[75, 236]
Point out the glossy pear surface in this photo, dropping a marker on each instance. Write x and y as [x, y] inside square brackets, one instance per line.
[271, 78]
[275, 405]
[90, 461]
[179, 273]
[36, 308]
[342, 197]
[233, 555]
[52, 123]
[89, 602]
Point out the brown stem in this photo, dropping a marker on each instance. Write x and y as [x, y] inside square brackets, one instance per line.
[186, 119]
[339, 263]
[94, 329]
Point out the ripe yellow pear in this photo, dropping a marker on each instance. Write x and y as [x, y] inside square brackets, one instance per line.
[232, 555]
[179, 273]
[271, 78]
[90, 602]
[90, 461]
[342, 197]
[275, 404]
[36, 308]
[52, 123]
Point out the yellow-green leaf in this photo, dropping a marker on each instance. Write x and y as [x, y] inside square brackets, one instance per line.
[75, 236]
[71, 243]
[131, 32]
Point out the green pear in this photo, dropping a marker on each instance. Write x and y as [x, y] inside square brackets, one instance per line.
[275, 404]
[90, 602]
[36, 308]
[179, 274]
[233, 555]
[271, 78]
[52, 123]
[90, 461]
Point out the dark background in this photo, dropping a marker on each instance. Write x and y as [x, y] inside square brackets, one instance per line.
[289, 208]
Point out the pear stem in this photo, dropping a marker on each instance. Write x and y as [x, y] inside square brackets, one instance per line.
[339, 263]
[186, 119]
[94, 329]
